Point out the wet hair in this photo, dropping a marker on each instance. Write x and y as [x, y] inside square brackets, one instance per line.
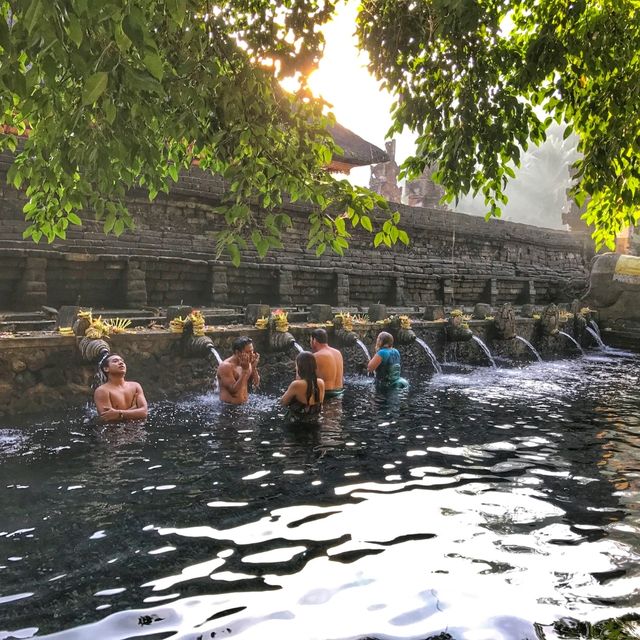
[100, 376]
[320, 335]
[385, 339]
[307, 367]
[240, 343]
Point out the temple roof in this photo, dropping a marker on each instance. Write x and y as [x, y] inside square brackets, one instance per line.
[357, 152]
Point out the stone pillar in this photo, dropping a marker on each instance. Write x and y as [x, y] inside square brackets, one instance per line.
[320, 313]
[32, 288]
[285, 287]
[254, 311]
[399, 297]
[135, 285]
[493, 292]
[342, 290]
[531, 291]
[377, 312]
[219, 285]
[447, 291]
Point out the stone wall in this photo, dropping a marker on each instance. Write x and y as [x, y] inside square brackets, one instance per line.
[170, 258]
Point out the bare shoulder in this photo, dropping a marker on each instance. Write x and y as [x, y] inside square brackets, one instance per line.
[101, 392]
[223, 366]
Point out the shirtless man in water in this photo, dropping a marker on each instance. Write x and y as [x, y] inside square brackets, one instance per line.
[235, 373]
[329, 361]
[118, 399]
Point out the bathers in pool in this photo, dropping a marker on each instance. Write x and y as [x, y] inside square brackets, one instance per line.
[388, 371]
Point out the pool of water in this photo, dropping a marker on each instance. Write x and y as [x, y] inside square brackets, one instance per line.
[484, 504]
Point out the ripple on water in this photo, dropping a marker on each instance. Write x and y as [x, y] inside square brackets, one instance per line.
[476, 504]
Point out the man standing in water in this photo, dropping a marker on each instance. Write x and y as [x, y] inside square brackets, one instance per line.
[330, 364]
[238, 371]
[118, 399]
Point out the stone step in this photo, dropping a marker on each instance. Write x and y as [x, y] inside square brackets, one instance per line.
[27, 325]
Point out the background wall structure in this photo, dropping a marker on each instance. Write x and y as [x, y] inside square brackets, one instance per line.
[170, 257]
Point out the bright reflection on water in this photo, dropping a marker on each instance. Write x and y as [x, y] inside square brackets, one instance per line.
[476, 504]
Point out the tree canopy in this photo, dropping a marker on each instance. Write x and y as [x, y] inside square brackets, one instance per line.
[125, 93]
[116, 94]
[480, 80]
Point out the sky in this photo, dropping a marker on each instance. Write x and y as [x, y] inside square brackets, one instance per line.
[343, 80]
[359, 104]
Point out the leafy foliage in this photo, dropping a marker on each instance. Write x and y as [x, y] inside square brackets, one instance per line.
[479, 80]
[117, 94]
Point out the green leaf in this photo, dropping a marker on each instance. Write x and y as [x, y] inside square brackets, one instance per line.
[178, 10]
[32, 15]
[379, 237]
[74, 218]
[75, 30]
[5, 36]
[403, 237]
[234, 252]
[262, 247]
[94, 87]
[109, 223]
[109, 111]
[154, 66]
[320, 249]
[365, 221]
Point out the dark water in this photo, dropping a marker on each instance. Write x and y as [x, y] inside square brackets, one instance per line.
[477, 504]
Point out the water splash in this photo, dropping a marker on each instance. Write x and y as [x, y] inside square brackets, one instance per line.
[597, 338]
[298, 347]
[364, 349]
[432, 356]
[531, 347]
[566, 335]
[485, 349]
[596, 328]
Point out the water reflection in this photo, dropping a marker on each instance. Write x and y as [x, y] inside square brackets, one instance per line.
[478, 504]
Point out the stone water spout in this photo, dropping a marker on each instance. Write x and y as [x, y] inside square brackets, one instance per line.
[198, 345]
[400, 328]
[280, 340]
[343, 331]
[457, 328]
[91, 349]
[505, 322]
[279, 337]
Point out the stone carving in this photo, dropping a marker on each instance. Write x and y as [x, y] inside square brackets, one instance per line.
[614, 289]
[400, 328]
[457, 328]
[550, 320]
[505, 322]
[343, 331]
[384, 176]
[424, 192]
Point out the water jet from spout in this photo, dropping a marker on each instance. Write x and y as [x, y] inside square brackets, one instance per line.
[485, 349]
[566, 335]
[531, 347]
[432, 356]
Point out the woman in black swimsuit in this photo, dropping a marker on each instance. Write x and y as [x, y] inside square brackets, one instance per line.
[305, 394]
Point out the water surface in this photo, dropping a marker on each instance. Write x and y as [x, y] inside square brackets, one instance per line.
[478, 503]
